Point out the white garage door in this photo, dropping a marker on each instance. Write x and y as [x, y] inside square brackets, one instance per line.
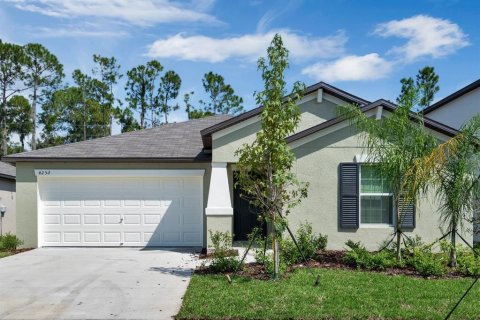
[120, 211]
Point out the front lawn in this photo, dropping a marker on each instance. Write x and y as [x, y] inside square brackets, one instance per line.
[4, 254]
[342, 294]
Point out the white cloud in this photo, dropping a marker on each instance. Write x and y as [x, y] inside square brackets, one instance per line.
[350, 68]
[249, 46]
[139, 12]
[427, 36]
[76, 31]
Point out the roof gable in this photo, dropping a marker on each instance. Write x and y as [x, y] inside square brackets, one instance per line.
[331, 90]
[386, 105]
[457, 94]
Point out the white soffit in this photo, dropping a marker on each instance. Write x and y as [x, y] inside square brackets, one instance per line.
[119, 173]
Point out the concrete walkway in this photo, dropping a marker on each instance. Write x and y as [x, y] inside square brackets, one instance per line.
[94, 283]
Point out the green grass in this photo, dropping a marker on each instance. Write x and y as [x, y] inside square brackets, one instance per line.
[342, 294]
[4, 254]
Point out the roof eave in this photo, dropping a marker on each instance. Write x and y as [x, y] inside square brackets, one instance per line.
[203, 159]
[389, 106]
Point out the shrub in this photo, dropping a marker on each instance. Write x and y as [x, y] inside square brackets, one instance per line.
[10, 242]
[354, 245]
[428, 263]
[222, 261]
[467, 262]
[308, 242]
[361, 258]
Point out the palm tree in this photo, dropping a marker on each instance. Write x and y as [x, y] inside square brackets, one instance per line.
[453, 168]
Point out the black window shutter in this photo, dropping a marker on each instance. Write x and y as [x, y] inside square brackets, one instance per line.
[407, 214]
[349, 195]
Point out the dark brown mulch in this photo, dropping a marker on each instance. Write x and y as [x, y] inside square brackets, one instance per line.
[22, 250]
[328, 259]
[209, 255]
[17, 251]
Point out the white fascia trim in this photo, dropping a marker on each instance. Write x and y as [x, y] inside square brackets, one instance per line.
[119, 173]
[324, 132]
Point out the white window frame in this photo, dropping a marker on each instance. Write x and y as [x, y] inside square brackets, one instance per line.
[360, 194]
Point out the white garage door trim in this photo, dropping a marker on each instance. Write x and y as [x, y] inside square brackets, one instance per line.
[45, 176]
[118, 173]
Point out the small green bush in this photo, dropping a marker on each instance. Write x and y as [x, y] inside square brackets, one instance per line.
[361, 258]
[428, 263]
[222, 261]
[308, 242]
[10, 242]
[353, 245]
[467, 262]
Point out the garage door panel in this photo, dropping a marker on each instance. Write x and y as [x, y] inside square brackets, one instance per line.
[112, 219]
[135, 219]
[72, 219]
[92, 219]
[54, 219]
[121, 211]
[112, 237]
[52, 237]
[92, 237]
[72, 237]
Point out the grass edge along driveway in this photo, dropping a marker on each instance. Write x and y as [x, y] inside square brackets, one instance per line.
[342, 294]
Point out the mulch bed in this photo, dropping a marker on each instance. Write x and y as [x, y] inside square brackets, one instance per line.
[329, 259]
[209, 255]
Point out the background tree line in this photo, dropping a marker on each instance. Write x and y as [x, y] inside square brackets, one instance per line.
[34, 95]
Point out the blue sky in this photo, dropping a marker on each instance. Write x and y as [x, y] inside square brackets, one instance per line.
[364, 47]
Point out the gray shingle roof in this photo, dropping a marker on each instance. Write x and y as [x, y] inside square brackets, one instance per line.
[177, 141]
[7, 170]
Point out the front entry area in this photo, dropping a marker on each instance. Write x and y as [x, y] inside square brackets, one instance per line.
[245, 217]
[120, 210]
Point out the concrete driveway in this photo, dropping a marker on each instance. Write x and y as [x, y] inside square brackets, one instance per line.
[94, 283]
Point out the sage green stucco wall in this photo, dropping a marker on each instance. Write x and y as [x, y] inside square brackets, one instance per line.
[318, 163]
[7, 198]
[26, 216]
[224, 147]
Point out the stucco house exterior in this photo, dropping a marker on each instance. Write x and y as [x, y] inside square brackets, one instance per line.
[170, 185]
[458, 107]
[7, 197]
[455, 110]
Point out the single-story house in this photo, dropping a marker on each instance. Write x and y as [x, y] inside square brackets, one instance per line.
[170, 185]
[7, 197]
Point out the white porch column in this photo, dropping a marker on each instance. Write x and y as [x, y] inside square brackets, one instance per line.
[219, 201]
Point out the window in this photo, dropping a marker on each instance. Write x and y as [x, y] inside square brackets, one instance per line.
[376, 198]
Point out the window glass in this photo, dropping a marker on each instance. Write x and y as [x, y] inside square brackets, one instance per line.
[376, 200]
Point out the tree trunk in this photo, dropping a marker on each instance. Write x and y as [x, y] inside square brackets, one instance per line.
[399, 232]
[111, 125]
[399, 250]
[453, 250]
[34, 118]
[276, 258]
[3, 123]
[84, 121]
